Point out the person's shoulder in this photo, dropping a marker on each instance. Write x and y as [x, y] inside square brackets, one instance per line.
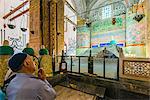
[39, 84]
[37, 81]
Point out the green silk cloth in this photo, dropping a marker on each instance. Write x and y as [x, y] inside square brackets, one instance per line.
[29, 51]
[6, 50]
[43, 52]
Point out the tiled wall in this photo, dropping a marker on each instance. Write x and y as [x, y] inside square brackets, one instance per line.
[148, 28]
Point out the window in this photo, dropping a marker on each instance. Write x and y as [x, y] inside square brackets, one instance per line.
[106, 12]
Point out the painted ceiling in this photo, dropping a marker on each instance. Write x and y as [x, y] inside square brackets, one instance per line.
[83, 7]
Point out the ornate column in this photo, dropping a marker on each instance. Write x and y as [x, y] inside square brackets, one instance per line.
[53, 27]
[47, 25]
[60, 27]
[35, 33]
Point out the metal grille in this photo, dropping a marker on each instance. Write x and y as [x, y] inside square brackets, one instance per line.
[137, 68]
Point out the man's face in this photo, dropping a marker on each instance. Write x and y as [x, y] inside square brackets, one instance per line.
[29, 64]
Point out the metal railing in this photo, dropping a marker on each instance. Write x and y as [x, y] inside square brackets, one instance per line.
[107, 68]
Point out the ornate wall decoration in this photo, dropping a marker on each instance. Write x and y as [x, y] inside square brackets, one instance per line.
[16, 43]
[137, 68]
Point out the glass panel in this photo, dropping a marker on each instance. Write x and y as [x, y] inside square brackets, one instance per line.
[111, 68]
[98, 66]
[57, 62]
[68, 61]
[84, 65]
[75, 64]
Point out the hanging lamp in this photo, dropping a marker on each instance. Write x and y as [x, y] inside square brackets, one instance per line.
[22, 26]
[10, 25]
[139, 17]
[113, 21]
[23, 29]
[4, 25]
